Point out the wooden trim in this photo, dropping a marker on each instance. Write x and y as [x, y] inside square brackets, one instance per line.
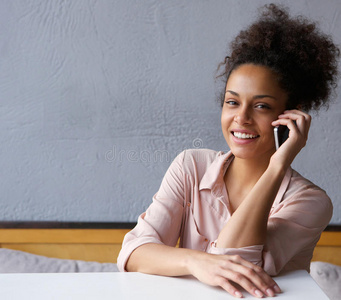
[101, 236]
[71, 233]
[101, 245]
[330, 238]
[62, 236]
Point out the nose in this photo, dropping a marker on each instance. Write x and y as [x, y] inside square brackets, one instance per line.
[243, 116]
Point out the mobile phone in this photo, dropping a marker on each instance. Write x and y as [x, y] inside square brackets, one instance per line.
[281, 133]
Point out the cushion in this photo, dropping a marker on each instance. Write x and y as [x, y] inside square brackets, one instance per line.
[328, 277]
[13, 261]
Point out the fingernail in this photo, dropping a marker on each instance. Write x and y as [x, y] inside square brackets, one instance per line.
[259, 293]
[277, 289]
[238, 294]
[270, 292]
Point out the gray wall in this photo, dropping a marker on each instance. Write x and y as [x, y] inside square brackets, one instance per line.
[98, 97]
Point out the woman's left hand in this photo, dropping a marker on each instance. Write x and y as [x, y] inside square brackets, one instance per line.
[298, 135]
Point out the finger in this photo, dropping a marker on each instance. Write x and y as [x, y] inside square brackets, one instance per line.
[255, 280]
[295, 115]
[268, 279]
[257, 275]
[297, 134]
[297, 112]
[302, 121]
[301, 118]
[297, 131]
[228, 287]
[290, 124]
[242, 281]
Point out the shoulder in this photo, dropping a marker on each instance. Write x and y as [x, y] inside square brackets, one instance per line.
[299, 184]
[195, 162]
[200, 157]
[202, 154]
[310, 195]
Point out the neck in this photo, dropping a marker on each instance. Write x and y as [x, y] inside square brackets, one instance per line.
[248, 171]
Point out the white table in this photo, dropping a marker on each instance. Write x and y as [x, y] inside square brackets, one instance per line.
[102, 286]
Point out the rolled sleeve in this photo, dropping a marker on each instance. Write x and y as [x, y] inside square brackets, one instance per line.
[251, 253]
[140, 235]
[161, 223]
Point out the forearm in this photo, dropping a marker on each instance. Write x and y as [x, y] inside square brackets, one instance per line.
[247, 226]
[160, 259]
[211, 269]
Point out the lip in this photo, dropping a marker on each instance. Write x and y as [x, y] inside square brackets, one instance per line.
[243, 141]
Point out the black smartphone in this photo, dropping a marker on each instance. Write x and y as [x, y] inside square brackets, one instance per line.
[281, 133]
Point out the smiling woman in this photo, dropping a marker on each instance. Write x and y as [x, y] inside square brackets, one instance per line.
[245, 215]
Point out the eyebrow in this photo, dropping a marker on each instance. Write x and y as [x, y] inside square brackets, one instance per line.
[254, 97]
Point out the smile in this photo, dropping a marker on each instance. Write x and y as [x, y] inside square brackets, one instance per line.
[240, 135]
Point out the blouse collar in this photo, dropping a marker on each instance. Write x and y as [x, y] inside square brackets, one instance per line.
[214, 175]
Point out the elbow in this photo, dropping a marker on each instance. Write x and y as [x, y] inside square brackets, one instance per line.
[131, 266]
[134, 263]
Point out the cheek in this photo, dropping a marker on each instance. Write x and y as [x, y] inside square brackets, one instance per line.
[225, 123]
[264, 126]
[268, 131]
[226, 117]
[222, 119]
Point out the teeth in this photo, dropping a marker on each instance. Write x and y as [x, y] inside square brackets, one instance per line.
[240, 135]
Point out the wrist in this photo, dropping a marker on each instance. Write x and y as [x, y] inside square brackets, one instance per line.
[278, 167]
[191, 260]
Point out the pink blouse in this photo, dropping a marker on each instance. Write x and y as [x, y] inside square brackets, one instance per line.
[192, 204]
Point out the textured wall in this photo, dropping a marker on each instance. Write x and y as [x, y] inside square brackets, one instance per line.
[98, 97]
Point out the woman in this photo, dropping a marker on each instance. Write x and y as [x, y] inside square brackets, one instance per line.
[246, 215]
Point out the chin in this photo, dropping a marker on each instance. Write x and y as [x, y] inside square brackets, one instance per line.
[243, 153]
[249, 151]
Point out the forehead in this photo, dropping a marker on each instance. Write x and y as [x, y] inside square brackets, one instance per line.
[253, 78]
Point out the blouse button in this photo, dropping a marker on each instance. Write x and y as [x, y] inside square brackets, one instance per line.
[206, 240]
[188, 204]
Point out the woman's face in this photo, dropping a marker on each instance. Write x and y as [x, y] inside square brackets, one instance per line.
[253, 99]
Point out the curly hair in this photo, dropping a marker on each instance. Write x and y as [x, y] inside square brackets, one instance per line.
[304, 59]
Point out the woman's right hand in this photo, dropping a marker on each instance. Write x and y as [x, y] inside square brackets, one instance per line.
[298, 123]
[225, 270]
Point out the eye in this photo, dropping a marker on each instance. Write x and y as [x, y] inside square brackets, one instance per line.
[262, 106]
[231, 102]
